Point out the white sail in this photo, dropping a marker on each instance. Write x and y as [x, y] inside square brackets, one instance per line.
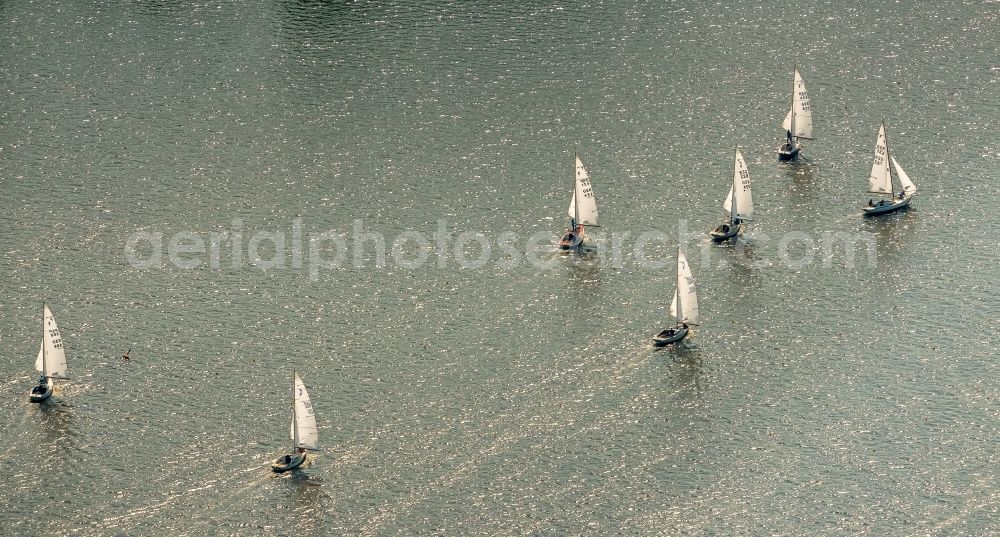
[588, 203]
[904, 179]
[741, 188]
[880, 181]
[55, 354]
[39, 365]
[799, 118]
[305, 434]
[684, 306]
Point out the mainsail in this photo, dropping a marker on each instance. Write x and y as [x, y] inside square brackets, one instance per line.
[799, 118]
[880, 181]
[587, 215]
[51, 360]
[684, 306]
[739, 194]
[304, 433]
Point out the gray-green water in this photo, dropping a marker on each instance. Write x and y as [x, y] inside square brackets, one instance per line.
[823, 397]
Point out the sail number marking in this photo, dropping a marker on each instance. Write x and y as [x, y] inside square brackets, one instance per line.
[54, 336]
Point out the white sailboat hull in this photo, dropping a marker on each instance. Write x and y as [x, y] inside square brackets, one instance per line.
[887, 206]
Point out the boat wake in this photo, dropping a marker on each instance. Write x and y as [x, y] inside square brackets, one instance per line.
[566, 415]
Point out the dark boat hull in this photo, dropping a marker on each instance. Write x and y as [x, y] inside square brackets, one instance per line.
[788, 154]
[572, 241]
[719, 236]
[37, 396]
[665, 338]
[886, 207]
[293, 462]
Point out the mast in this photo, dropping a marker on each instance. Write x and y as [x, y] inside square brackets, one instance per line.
[888, 162]
[732, 213]
[44, 368]
[791, 124]
[576, 192]
[680, 306]
[295, 429]
[733, 208]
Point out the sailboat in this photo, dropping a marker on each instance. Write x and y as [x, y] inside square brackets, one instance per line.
[51, 359]
[880, 181]
[739, 202]
[304, 433]
[684, 307]
[798, 123]
[581, 214]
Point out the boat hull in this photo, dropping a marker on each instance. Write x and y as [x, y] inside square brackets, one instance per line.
[718, 235]
[37, 396]
[885, 206]
[288, 462]
[572, 240]
[671, 335]
[785, 153]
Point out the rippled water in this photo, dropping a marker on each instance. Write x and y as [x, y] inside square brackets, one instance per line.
[826, 398]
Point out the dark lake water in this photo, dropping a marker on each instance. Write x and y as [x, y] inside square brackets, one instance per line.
[399, 171]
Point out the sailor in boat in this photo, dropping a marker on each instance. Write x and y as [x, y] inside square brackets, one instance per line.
[901, 194]
[125, 356]
[40, 389]
[575, 234]
[871, 203]
[788, 145]
[725, 228]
